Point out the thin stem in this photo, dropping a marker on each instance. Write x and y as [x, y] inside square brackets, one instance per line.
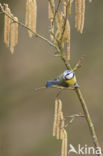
[88, 118]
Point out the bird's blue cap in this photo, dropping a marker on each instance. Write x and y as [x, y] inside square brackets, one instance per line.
[67, 72]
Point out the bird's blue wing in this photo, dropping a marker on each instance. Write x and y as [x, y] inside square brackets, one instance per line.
[51, 83]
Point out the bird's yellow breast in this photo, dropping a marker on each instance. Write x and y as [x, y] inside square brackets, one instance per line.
[71, 82]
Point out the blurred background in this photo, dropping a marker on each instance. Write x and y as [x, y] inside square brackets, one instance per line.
[26, 116]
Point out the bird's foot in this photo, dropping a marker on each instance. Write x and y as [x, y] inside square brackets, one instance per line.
[76, 86]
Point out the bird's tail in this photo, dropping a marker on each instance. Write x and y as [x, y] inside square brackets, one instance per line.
[50, 83]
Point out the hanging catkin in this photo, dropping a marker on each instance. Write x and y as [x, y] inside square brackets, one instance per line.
[13, 34]
[51, 6]
[59, 126]
[62, 126]
[79, 14]
[70, 6]
[79, 6]
[64, 144]
[10, 29]
[82, 16]
[27, 13]
[50, 10]
[68, 39]
[31, 16]
[16, 30]
[59, 25]
[59, 118]
[12, 37]
[7, 22]
[55, 118]
[34, 15]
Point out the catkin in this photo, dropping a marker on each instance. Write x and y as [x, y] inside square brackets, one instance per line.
[7, 22]
[12, 37]
[10, 29]
[31, 15]
[69, 7]
[64, 144]
[62, 126]
[59, 118]
[13, 34]
[75, 13]
[82, 16]
[64, 5]
[68, 39]
[79, 14]
[59, 25]
[50, 10]
[79, 6]
[27, 13]
[59, 126]
[55, 118]
[34, 15]
[16, 30]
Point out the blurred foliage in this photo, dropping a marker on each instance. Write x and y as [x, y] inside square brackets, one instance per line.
[26, 116]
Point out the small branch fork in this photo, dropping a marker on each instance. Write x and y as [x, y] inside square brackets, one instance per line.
[72, 118]
[67, 64]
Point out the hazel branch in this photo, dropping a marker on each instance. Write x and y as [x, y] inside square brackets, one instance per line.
[23, 25]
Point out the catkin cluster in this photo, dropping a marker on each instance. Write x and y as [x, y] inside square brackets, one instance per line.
[31, 15]
[59, 24]
[59, 14]
[79, 14]
[11, 23]
[59, 126]
[10, 29]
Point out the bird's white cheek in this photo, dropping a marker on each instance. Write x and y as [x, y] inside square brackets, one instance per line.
[70, 76]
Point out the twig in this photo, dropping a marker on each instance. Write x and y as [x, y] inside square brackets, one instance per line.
[41, 88]
[79, 63]
[73, 117]
[88, 118]
[59, 93]
[67, 64]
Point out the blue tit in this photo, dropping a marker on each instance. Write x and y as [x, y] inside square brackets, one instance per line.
[66, 79]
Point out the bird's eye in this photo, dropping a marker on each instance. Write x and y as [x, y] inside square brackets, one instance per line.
[69, 76]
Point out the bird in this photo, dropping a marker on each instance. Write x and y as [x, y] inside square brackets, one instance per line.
[66, 79]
